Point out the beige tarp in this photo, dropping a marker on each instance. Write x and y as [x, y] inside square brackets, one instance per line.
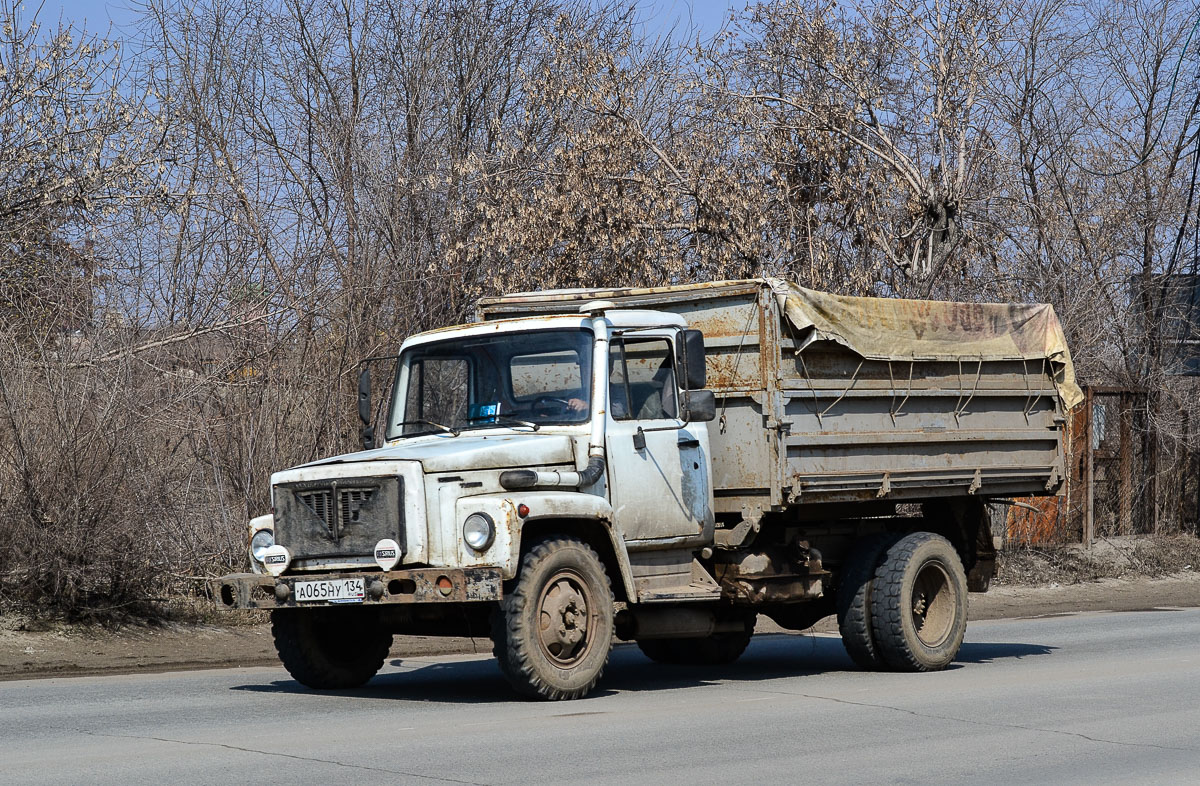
[894, 329]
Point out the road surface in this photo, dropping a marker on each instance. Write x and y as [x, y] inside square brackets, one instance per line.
[1090, 698]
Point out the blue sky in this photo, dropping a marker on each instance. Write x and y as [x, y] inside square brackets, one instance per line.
[706, 16]
[94, 15]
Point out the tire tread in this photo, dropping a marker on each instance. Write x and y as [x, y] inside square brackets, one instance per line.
[302, 655]
[854, 593]
[887, 609]
[511, 644]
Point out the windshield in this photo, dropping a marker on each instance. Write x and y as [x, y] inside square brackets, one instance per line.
[505, 379]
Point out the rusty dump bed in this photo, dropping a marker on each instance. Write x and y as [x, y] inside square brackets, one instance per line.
[822, 398]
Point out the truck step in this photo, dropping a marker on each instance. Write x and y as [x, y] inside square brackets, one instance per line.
[689, 592]
[672, 576]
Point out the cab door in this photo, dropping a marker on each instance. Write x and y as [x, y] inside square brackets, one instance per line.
[658, 465]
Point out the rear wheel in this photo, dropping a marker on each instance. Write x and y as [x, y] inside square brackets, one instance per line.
[919, 603]
[330, 648]
[854, 592]
[553, 632]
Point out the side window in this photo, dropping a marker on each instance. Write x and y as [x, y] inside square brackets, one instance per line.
[642, 380]
[440, 392]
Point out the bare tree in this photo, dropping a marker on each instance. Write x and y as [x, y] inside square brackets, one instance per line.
[882, 132]
[75, 148]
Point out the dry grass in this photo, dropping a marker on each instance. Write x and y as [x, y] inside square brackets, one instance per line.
[1149, 557]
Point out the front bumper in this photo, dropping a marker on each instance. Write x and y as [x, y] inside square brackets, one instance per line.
[418, 585]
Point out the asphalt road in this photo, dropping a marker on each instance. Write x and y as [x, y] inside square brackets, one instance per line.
[1094, 698]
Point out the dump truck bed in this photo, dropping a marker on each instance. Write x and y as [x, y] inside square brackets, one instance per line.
[827, 399]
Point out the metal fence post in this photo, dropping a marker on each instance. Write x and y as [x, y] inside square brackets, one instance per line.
[1090, 495]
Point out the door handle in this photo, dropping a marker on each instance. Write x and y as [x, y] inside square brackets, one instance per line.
[689, 442]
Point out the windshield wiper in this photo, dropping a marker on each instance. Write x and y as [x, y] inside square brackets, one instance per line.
[447, 429]
[508, 418]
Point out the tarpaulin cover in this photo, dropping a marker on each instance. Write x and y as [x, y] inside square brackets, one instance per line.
[895, 329]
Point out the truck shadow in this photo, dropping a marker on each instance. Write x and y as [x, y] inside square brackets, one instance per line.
[987, 652]
[770, 656]
[778, 656]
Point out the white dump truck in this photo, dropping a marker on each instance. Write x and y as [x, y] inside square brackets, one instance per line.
[663, 466]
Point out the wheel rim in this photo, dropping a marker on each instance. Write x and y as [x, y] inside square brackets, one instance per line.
[933, 604]
[563, 618]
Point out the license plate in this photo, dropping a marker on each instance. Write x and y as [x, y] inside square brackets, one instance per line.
[336, 591]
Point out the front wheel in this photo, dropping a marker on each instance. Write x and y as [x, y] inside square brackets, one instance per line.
[330, 648]
[553, 632]
[718, 649]
[919, 603]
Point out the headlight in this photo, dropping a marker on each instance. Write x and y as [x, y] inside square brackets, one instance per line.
[479, 531]
[262, 540]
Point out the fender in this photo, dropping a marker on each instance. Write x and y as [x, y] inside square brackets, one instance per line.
[560, 505]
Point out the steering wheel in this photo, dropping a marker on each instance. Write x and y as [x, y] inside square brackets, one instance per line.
[550, 405]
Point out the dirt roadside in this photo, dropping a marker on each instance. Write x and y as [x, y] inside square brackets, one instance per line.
[72, 651]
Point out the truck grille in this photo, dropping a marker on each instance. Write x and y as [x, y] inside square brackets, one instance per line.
[342, 518]
[350, 504]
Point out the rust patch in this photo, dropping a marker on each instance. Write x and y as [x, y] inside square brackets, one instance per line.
[725, 323]
[730, 371]
[1035, 528]
[420, 585]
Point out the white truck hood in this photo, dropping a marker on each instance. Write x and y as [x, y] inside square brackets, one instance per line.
[466, 452]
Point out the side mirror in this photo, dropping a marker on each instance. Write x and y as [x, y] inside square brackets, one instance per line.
[364, 396]
[699, 406]
[689, 351]
[364, 409]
